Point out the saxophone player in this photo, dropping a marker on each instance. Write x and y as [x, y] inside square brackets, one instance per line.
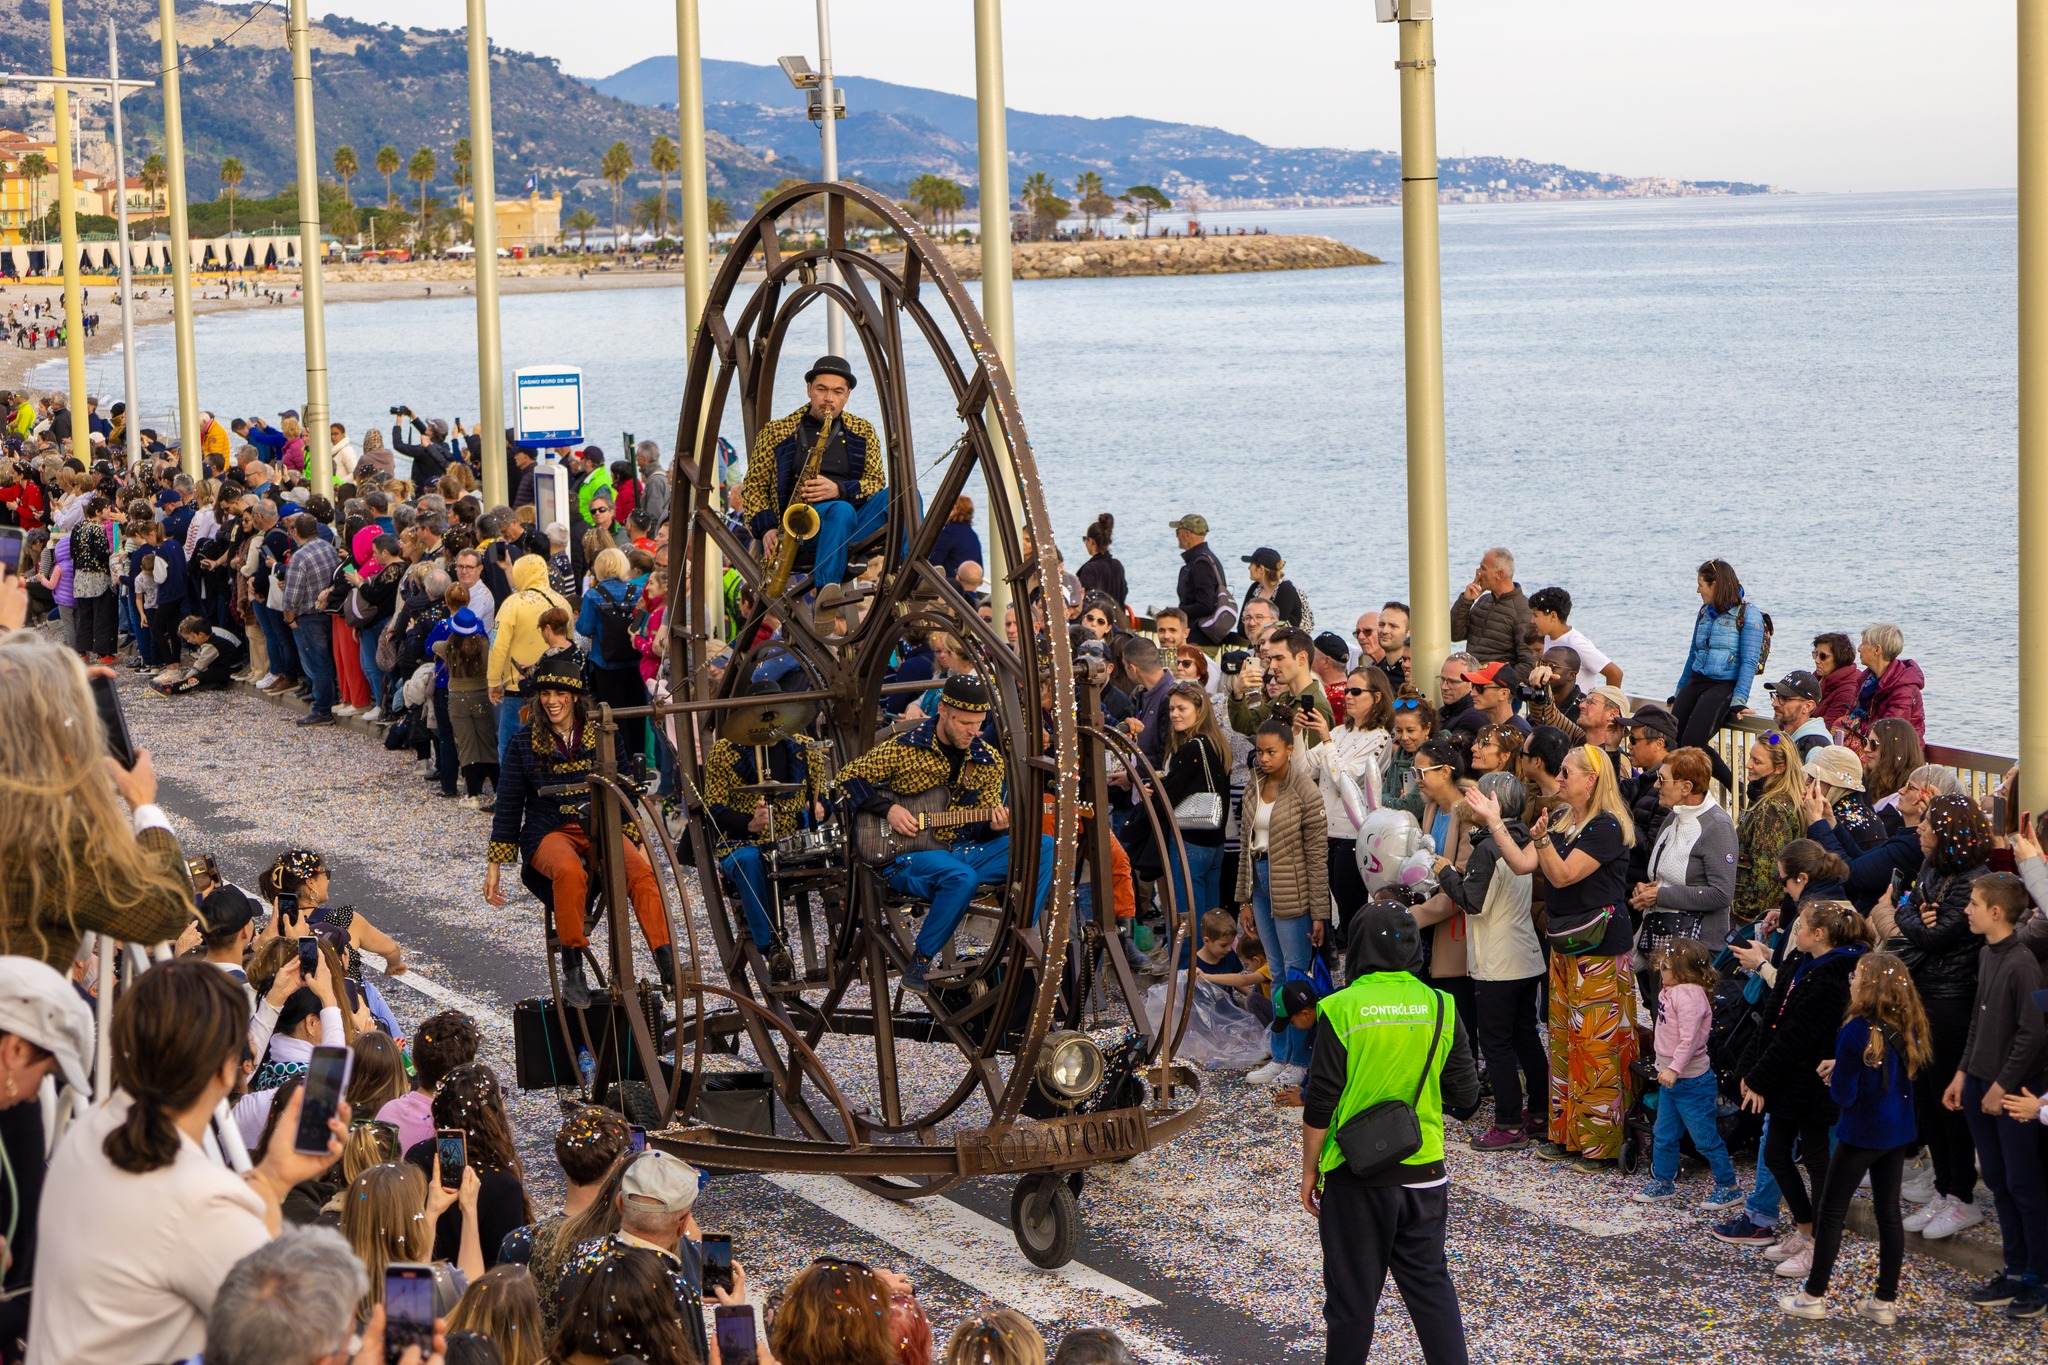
[848, 490]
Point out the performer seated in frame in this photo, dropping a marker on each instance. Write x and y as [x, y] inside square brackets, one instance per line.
[847, 491]
[749, 824]
[945, 751]
[557, 746]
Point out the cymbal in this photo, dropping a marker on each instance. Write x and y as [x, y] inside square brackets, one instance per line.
[768, 721]
[769, 788]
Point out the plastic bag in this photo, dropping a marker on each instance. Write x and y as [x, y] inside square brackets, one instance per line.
[1222, 1035]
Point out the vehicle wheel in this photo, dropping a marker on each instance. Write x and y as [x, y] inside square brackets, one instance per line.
[1631, 1157]
[1046, 1219]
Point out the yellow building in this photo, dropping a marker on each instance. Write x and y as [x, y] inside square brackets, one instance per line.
[529, 224]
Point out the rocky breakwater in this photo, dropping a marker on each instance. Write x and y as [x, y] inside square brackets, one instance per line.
[1163, 256]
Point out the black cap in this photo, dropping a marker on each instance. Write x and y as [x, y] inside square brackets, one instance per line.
[1266, 557]
[1295, 997]
[1798, 683]
[1655, 718]
[965, 694]
[225, 910]
[1334, 647]
[832, 364]
[1383, 937]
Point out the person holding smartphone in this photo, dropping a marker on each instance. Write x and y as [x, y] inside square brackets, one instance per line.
[656, 1196]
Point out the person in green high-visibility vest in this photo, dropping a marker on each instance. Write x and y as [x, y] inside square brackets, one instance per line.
[1377, 1040]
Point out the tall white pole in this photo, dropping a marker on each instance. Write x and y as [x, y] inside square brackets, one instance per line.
[490, 374]
[2033, 395]
[1429, 554]
[181, 247]
[312, 297]
[133, 420]
[67, 224]
[835, 321]
[992, 132]
[696, 230]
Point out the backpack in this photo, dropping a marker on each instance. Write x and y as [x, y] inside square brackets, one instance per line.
[615, 627]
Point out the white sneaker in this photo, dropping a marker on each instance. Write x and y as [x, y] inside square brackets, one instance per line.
[1917, 1186]
[1262, 1075]
[1922, 1216]
[1291, 1075]
[1878, 1311]
[1804, 1305]
[1799, 1264]
[344, 709]
[1788, 1246]
[1953, 1218]
[374, 713]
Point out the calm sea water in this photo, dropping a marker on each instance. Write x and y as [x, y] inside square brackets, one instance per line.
[1819, 389]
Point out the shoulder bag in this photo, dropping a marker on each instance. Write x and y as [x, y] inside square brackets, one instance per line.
[1201, 812]
[1388, 1133]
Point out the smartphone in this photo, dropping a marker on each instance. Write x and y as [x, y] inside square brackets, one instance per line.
[12, 539]
[408, 1309]
[451, 1148]
[735, 1331]
[636, 1139]
[120, 744]
[309, 956]
[288, 907]
[717, 1262]
[326, 1082]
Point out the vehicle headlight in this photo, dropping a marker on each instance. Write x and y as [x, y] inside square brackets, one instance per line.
[1070, 1067]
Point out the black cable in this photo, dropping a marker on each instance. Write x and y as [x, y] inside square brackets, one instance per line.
[221, 43]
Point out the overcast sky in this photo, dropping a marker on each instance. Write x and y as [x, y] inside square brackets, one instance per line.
[1805, 94]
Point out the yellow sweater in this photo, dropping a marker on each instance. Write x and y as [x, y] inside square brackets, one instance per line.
[518, 642]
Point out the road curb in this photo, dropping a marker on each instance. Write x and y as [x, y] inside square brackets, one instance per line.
[1980, 1258]
[290, 702]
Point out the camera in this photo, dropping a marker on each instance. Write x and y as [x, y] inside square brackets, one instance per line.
[401, 412]
[1232, 661]
[1532, 693]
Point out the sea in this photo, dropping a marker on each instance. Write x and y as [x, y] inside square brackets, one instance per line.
[1818, 389]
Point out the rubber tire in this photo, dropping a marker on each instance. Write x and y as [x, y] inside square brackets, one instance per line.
[1045, 1218]
[1631, 1155]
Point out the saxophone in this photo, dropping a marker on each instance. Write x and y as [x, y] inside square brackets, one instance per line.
[799, 519]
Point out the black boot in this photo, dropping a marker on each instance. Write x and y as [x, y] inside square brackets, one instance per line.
[781, 967]
[665, 965]
[575, 990]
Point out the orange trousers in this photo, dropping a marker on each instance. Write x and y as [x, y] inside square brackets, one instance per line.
[560, 859]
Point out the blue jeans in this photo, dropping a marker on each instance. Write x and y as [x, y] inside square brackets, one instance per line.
[368, 654]
[841, 525]
[315, 636]
[749, 872]
[1688, 1106]
[131, 624]
[1762, 1205]
[277, 639]
[1207, 866]
[1287, 945]
[948, 877]
[508, 723]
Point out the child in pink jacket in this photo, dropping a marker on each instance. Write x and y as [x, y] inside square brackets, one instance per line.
[1688, 1093]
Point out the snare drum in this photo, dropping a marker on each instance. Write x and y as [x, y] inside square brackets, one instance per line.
[809, 847]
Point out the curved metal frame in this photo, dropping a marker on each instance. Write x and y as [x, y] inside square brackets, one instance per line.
[883, 307]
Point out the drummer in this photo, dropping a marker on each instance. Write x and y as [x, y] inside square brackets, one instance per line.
[756, 794]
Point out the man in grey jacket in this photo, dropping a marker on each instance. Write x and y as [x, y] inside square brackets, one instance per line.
[1492, 616]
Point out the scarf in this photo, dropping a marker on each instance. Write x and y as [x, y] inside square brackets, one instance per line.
[1674, 842]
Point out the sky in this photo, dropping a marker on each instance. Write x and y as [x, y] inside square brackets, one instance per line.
[1814, 95]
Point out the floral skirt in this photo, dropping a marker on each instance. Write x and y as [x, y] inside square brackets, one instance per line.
[1592, 1045]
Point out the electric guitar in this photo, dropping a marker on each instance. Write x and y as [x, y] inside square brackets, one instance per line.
[876, 842]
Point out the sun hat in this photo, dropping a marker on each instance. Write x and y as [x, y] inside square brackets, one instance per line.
[1836, 765]
[39, 1006]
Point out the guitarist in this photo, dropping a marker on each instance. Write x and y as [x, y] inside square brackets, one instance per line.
[945, 751]
[847, 491]
[748, 826]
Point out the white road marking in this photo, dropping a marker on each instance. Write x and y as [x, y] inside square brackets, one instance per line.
[981, 1253]
[433, 990]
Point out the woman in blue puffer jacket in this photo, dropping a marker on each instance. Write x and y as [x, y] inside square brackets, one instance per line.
[1727, 638]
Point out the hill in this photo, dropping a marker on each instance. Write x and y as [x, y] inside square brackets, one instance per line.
[893, 133]
[374, 84]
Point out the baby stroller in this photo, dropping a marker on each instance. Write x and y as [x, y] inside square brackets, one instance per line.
[1640, 1123]
[1732, 1027]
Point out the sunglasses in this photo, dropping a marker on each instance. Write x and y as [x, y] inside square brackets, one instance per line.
[1361, 691]
[1433, 768]
[599, 507]
[1407, 703]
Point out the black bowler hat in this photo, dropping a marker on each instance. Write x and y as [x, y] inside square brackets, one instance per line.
[832, 364]
[965, 694]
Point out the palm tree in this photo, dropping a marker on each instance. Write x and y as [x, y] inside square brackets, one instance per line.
[955, 199]
[925, 197]
[35, 166]
[154, 177]
[664, 157]
[1040, 195]
[387, 166]
[346, 169]
[616, 166]
[461, 157]
[231, 176]
[580, 222]
[717, 215]
[420, 169]
[1087, 186]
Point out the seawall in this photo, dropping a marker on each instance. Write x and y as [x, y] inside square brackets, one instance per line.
[1164, 256]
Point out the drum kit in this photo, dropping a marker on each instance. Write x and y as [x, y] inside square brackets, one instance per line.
[818, 846]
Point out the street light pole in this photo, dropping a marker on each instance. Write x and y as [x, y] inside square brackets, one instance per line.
[132, 421]
[835, 321]
[2033, 392]
[1429, 552]
[992, 132]
[696, 230]
[67, 234]
[181, 246]
[483, 235]
[312, 296]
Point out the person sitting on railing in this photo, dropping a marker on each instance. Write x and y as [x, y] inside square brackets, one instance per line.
[1727, 640]
[1841, 681]
[1891, 687]
[71, 862]
[550, 833]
